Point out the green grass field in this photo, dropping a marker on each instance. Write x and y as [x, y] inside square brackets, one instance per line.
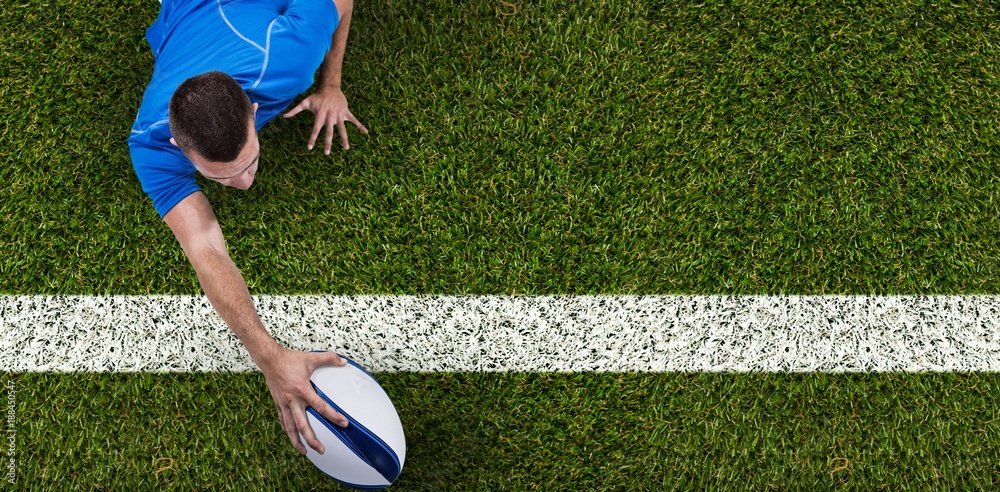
[529, 432]
[617, 147]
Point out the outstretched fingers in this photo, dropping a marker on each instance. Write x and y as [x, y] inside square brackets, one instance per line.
[289, 427]
[330, 109]
[339, 122]
[303, 427]
[317, 126]
[357, 123]
[331, 123]
[296, 110]
[288, 377]
[312, 399]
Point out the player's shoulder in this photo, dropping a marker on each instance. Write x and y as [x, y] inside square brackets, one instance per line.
[157, 162]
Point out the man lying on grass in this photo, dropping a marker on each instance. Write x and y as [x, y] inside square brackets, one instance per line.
[223, 69]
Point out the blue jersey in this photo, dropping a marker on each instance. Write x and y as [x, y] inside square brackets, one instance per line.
[271, 47]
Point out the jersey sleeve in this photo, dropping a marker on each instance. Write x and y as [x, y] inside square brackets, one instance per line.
[311, 20]
[166, 175]
[304, 29]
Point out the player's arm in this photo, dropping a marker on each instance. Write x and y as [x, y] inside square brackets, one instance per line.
[333, 63]
[329, 103]
[287, 371]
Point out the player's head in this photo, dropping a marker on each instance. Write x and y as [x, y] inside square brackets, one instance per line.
[212, 121]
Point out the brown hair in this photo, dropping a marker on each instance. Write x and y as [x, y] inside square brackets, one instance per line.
[209, 114]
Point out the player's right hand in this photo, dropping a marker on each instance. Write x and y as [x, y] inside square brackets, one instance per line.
[287, 374]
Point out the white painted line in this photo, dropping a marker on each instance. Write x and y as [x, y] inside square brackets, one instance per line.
[496, 333]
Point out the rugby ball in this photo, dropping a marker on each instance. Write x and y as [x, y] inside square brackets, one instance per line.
[369, 453]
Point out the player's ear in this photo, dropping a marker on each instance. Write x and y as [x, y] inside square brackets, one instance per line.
[255, 109]
[174, 142]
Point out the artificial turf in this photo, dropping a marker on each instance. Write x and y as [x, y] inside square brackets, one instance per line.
[813, 147]
[528, 432]
[799, 147]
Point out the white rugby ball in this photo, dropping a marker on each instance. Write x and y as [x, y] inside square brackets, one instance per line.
[369, 452]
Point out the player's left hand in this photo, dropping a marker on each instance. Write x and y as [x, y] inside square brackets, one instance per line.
[330, 107]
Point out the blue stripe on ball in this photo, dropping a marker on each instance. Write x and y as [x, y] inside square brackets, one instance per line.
[365, 444]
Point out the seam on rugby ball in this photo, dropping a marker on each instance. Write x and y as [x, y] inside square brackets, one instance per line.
[340, 433]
